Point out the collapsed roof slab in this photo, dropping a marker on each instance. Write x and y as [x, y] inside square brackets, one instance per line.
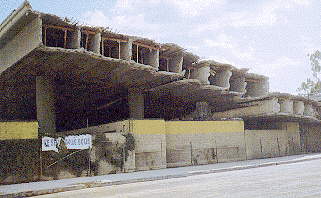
[272, 106]
[83, 71]
[283, 117]
[90, 67]
[192, 90]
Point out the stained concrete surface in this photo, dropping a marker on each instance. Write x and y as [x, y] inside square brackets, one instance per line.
[288, 180]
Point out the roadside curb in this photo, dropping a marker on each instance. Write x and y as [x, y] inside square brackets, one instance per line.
[110, 183]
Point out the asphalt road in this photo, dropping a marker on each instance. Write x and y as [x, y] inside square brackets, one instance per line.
[292, 180]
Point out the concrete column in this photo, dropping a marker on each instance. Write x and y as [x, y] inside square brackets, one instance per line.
[45, 101]
[308, 110]
[238, 84]
[298, 107]
[286, 105]
[76, 37]
[202, 111]
[176, 63]
[256, 89]
[96, 42]
[222, 79]
[136, 104]
[201, 74]
[126, 50]
[153, 58]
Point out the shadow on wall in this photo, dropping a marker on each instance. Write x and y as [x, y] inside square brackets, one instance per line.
[22, 160]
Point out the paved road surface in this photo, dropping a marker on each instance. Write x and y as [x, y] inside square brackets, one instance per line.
[292, 180]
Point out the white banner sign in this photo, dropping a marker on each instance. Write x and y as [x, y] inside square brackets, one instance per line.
[72, 142]
[78, 141]
[50, 144]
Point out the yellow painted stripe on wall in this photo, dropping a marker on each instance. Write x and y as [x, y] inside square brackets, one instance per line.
[147, 126]
[18, 130]
[181, 127]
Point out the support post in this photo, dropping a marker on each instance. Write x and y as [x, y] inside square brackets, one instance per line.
[136, 104]
[76, 37]
[45, 102]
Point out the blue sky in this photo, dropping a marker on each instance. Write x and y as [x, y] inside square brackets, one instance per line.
[271, 37]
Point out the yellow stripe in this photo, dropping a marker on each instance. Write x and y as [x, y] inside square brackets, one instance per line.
[181, 127]
[148, 126]
[18, 130]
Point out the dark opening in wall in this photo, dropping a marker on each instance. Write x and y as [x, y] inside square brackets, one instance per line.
[140, 54]
[261, 125]
[110, 48]
[135, 53]
[86, 40]
[55, 36]
[163, 64]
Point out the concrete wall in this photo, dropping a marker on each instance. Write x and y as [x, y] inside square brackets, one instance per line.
[204, 142]
[18, 130]
[113, 134]
[311, 137]
[150, 143]
[24, 42]
[273, 143]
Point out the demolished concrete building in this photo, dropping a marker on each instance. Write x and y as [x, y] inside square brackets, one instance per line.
[58, 78]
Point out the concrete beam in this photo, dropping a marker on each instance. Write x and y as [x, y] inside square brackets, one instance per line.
[153, 58]
[176, 63]
[45, 101]
[286, 105]
[76, 38]
[202, 111]
[298, 107]
[202, 74]
[258, 88]
[95, 44]
[238, 84]
[308, 110]
[126, 50]
[136, 104]
[222, 79]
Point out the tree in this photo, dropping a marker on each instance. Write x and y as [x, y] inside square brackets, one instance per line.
[313, 86]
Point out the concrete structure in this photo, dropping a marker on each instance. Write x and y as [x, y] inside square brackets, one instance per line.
[179, 109]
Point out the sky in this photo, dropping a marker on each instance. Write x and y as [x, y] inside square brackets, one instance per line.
[270, 37]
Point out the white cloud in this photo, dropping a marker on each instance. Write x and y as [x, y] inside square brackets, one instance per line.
[266, 14]
[97, 18]
[192, 8]
[232, 47]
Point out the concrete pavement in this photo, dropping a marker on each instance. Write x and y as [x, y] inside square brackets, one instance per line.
[302, 179]
[47, 187]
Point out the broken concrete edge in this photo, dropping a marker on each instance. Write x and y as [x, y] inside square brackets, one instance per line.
[81, 186]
